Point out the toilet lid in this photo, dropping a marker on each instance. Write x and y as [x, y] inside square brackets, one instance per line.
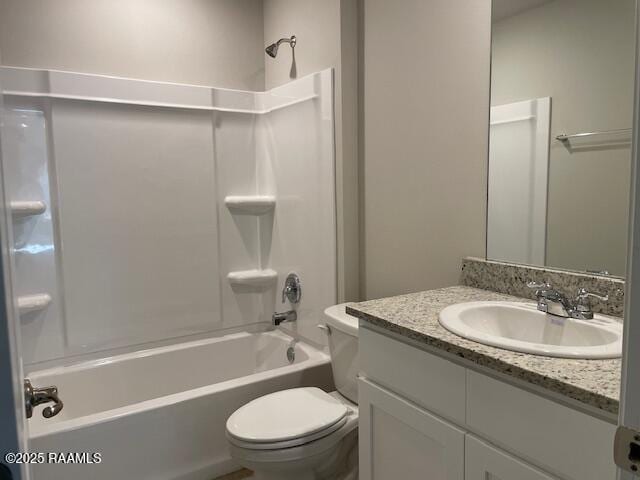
[286, 415]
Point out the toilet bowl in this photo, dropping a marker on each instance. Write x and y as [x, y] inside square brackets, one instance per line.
[305, 433]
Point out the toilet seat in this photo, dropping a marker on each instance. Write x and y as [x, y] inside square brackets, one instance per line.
[296, 442]
[285, 419]
[256, 459]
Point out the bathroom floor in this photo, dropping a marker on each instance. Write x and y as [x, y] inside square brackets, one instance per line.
[239, 475]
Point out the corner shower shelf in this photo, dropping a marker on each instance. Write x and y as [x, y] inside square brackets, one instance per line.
[253, 278]
[33, 303]
[27, 209]
[250, 204]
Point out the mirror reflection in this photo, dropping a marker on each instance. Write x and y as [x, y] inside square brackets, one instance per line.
[560, 137]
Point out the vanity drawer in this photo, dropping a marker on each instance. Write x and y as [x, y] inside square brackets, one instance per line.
[435, 384]
[560, 439]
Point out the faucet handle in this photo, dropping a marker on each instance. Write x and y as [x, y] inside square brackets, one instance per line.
[584, 294]
[292, 289]
[538, 286]
[583, 306]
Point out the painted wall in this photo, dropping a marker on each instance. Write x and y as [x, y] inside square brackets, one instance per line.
[317, 28]
[580, 53]
[206, 42]
[426, 109]
[327, 35]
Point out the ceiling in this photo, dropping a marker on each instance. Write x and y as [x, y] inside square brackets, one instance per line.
[507, 8]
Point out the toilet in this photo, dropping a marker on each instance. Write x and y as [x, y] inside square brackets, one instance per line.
[305, 433]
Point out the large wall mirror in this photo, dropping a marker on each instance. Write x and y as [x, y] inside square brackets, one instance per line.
[562, 84]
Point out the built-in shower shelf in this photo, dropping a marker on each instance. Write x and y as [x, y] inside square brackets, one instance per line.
[33, 303]
[250, 204]
[253, 278]
[27, 209]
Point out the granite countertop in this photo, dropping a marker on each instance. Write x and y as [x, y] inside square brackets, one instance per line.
[415, 316]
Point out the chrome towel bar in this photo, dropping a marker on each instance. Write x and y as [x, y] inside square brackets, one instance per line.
[563, 137]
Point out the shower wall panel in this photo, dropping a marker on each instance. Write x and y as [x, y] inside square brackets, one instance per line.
[297, 166]
[136, 188]
[235, 138]
[26, 158]
[144, 241]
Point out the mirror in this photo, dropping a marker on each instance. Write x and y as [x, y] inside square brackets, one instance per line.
[562, 85]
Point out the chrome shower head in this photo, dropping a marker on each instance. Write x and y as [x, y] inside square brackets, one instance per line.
[272, 50]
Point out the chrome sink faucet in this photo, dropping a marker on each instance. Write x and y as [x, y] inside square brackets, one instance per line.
[554, 302]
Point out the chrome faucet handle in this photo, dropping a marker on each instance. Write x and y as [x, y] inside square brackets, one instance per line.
[582, 309]
[551, 300]
[540, 288]
[292, 290]
[584, 294]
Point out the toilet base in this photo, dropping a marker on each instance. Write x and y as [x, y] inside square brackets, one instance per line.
[339, 463]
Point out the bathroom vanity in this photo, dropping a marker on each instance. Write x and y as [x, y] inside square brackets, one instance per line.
[431, 401]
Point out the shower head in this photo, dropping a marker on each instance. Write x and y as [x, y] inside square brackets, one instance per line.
[272, 50]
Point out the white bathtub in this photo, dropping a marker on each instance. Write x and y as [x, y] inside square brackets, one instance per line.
[160, 414]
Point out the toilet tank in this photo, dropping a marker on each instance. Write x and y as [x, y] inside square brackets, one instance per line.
[343, 347]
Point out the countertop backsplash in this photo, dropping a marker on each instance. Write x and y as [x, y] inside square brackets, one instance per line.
[512, 279]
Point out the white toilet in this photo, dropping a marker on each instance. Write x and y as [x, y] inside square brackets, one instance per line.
[305, 433]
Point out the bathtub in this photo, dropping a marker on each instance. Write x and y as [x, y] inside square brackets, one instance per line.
[160, 414]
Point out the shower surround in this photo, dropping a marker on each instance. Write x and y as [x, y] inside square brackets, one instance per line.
[172, 215]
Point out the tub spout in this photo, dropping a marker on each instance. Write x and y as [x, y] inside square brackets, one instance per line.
[284, 317]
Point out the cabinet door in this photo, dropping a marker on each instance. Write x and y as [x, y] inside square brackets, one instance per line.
[485, 462]
[399, 440]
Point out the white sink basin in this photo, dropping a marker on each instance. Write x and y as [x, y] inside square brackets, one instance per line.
[522, 328]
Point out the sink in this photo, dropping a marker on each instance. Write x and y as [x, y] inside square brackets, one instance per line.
[520, 327]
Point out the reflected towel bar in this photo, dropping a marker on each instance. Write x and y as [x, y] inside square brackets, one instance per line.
[563, 137]
[33, 303]
[27, 208]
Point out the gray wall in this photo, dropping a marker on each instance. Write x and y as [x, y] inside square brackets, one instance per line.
[424, 110]
[426, 100]
[327, 33]
[580, 53]
[209, 42]
[316, 25]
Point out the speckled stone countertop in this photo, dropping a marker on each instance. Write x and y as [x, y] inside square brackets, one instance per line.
[415, 316]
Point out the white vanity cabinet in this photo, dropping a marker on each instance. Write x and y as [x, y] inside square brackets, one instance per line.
[423, 416]
[398, 440]
[486, 462]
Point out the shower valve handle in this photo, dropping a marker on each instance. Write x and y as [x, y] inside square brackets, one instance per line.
[292, 290]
